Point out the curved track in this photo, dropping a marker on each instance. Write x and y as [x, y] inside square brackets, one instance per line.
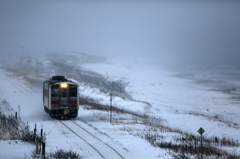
[23, 89]
[97, 147]
[103, 149]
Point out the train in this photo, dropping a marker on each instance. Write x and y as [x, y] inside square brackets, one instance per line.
[61, 97]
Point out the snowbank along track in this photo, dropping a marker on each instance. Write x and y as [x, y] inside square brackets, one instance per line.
[103, 149]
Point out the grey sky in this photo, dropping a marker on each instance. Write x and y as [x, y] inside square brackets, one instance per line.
[155, 30]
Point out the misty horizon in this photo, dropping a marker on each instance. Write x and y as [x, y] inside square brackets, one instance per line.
[163, 32]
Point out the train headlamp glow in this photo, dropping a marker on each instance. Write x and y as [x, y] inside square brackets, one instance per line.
[63, 85]
[66, 111]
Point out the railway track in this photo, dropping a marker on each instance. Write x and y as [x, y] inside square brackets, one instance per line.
[96, 146]
[102, 149]
[25, 91]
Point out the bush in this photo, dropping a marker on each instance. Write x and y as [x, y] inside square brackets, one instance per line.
[64, 154]
[9, 127]
[13, 129]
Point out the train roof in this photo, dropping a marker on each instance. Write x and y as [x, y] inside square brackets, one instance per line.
[57, 79]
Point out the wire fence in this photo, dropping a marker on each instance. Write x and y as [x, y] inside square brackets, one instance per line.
[95, 80]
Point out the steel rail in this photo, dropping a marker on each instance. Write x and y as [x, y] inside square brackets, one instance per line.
[98, 139]
[82, 139]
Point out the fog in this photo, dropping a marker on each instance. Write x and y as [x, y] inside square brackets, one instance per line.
[206, 32]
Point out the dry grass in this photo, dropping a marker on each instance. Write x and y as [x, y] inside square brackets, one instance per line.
[182, 145]
[13, 129]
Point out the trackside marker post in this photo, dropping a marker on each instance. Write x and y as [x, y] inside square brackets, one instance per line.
[201, 131]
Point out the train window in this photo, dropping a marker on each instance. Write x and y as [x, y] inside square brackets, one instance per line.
[64, 92]
[73, 91]
[46, 86]
[55, 91]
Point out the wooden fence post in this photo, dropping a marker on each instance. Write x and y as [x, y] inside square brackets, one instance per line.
[37, 152]
[19, 112]
[41, 138]
[35, 130]
[43, 146]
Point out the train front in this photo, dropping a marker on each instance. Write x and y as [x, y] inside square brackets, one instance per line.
[64, 99]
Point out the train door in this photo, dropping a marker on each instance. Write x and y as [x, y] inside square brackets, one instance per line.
[64, 98]
[54, 97]
[73, 96]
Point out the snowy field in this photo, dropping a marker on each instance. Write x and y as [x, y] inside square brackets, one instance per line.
[182, 102]
[178, 100]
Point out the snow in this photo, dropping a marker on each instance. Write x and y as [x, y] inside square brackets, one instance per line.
[177, 100]
[180, 102]
[15, 149]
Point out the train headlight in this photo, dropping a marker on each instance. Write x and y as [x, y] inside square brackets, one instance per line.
[64, 85]
[66, 111]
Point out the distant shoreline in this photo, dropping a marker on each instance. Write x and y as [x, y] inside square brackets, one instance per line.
[226, 85]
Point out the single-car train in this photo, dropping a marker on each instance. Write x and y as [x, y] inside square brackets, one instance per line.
[61, 97]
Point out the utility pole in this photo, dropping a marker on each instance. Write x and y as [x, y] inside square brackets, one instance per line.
[111, 108]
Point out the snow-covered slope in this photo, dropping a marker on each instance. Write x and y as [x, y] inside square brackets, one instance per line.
[18, 93]
[181, 103]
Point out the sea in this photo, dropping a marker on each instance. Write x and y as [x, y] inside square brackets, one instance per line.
[222, 78]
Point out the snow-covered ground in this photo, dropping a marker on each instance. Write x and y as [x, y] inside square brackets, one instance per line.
[180, 102]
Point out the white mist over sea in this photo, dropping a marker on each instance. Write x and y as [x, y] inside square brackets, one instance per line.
[222, 78]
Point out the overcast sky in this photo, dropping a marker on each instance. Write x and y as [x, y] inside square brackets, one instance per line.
[154, 30]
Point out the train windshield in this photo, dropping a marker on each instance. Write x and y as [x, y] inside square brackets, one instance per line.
[64, 93]
[55, 91]
[73, 91]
